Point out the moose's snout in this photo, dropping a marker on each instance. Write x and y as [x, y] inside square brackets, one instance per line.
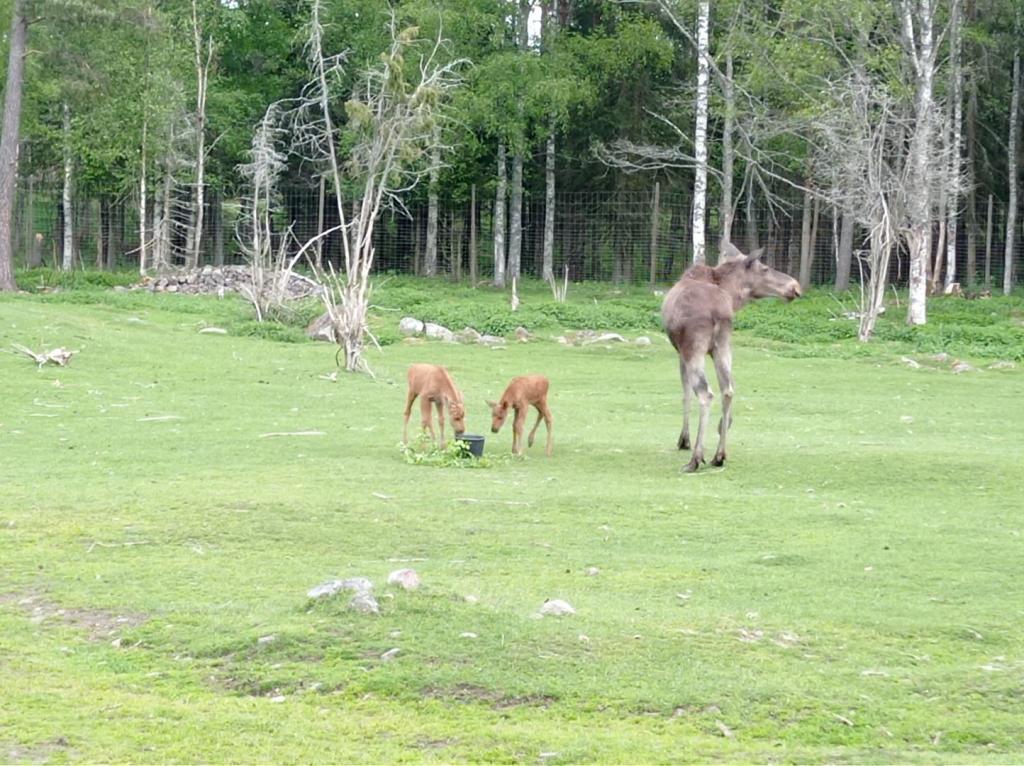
[494, 430]
[794, 291]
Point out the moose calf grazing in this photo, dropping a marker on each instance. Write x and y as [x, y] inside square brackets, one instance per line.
[434, 385]
[697, 313]
[521, 393]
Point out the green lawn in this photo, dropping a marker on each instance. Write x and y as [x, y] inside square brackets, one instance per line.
[847, 589]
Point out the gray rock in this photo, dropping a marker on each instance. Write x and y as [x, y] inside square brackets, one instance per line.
[491, 340]
[643, 340]
[404, 578]
[438, 332]
[390, 654]
[213, 331]
[605, 337]
[522, 334]
[556, 607]
[911, 363]
[467, 335]
[410, 326]
[960, 367]
[1002, 365]
[364, 603]
[331, 587]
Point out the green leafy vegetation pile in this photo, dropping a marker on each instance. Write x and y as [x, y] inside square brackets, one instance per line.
[844, 590]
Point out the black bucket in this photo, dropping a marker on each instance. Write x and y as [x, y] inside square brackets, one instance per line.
[474, 442]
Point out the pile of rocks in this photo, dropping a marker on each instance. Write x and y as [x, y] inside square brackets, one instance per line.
[412, 327]
[217, 280]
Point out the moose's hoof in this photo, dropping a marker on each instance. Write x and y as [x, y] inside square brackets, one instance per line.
[684, 442]
[692, 466]
[718, 460]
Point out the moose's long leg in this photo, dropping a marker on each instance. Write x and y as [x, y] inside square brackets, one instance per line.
[426, 416]
[440, 420]
[409, 399]
[517, 430]
[722, 354]
[684, 435]
[543, 413]
[699, 384]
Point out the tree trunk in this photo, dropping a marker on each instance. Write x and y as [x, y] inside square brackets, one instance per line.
[921, 50]
[988, 245]
[956, 96]
[655, 215]
[320, 200]
[515, 218]
[844, 258]
[430, 256]
[68, 259]
[728, 153]
[9, 139]
[472, 237]
[548, 267]
[1013, 170]
[142, 201]
[805, 239]
[970, 167]
[700, 133]
[499, 219]
[202, 79]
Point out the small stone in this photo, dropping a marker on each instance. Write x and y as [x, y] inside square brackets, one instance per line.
[556, 607]
[364, 603]
[941, 357]
[643, 340]
[467, 634]
[278, 698]
[467, 335]
[213, 331]
[522, 334]
[405, 578]
[390, 654]
[264, 640]
[1002, 365]
[471, 599]
[410, 326]
[592, 571]
[491, 340]
[562, 340]
[960, 367]
[911, 363]
[171, 288]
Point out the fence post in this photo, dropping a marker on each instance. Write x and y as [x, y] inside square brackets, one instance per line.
[655, 215]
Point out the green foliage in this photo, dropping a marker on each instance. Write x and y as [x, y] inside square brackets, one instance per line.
[455, 454]
[46, 278]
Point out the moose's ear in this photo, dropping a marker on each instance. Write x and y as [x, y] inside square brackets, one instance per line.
[759, 253]
[491, 404]
[753, 261]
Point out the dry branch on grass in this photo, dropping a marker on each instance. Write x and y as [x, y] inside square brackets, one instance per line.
[59, 356]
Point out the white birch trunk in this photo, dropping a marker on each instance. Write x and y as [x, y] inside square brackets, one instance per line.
[202, 79]
[921, 49]
[430, 255]
[68, 261]
[728, 152]
[142, 201]
[700, 134]
[17, 41]
[499, 219]
[956, 163]
[515, 218]
[548, 260]
[1011, 163]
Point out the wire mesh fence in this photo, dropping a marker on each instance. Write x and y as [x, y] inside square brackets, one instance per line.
[625, 237]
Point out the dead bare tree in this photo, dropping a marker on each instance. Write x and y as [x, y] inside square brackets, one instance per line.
[392, 114]
[867, 175]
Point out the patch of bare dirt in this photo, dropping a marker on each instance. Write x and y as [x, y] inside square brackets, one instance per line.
[98, 624]
[496, 699]
[41, 752]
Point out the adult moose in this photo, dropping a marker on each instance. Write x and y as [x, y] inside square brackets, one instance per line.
[697, 313]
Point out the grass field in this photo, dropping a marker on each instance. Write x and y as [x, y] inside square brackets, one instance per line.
[846, 589]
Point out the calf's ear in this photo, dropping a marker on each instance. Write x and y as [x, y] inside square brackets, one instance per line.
[491, 404]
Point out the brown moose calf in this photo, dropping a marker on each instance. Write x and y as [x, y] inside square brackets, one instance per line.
[522, 393]
[434, 385]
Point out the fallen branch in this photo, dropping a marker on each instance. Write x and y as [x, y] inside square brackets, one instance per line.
[294, 433]
[59, 356]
